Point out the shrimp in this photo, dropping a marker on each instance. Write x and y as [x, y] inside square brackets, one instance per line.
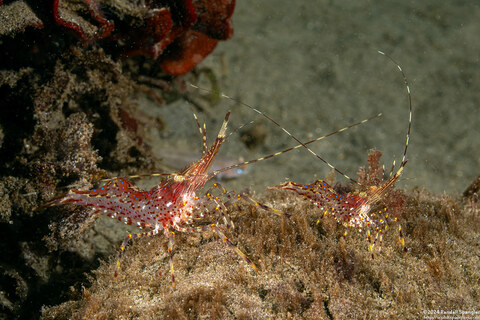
[173, 204]
[354, 210]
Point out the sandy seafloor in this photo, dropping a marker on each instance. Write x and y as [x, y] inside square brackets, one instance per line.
[313, 66]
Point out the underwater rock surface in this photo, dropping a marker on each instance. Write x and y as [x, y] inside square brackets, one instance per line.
[307, 270]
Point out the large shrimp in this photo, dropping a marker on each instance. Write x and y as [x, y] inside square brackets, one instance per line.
[173, 204]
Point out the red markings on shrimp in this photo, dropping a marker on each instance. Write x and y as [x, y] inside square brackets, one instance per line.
[360, 209]
[173, 204]
[122, 200]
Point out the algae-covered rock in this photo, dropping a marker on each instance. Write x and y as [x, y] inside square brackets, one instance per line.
[307, 270]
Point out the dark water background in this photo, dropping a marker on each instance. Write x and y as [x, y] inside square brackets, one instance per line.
[314, 67]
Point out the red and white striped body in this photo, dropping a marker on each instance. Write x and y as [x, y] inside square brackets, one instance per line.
[350, 209]
[164, 206]
[173, 204]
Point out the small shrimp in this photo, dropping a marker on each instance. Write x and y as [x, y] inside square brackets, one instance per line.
[355, 209]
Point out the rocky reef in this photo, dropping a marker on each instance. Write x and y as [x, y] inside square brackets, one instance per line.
[70, 76]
